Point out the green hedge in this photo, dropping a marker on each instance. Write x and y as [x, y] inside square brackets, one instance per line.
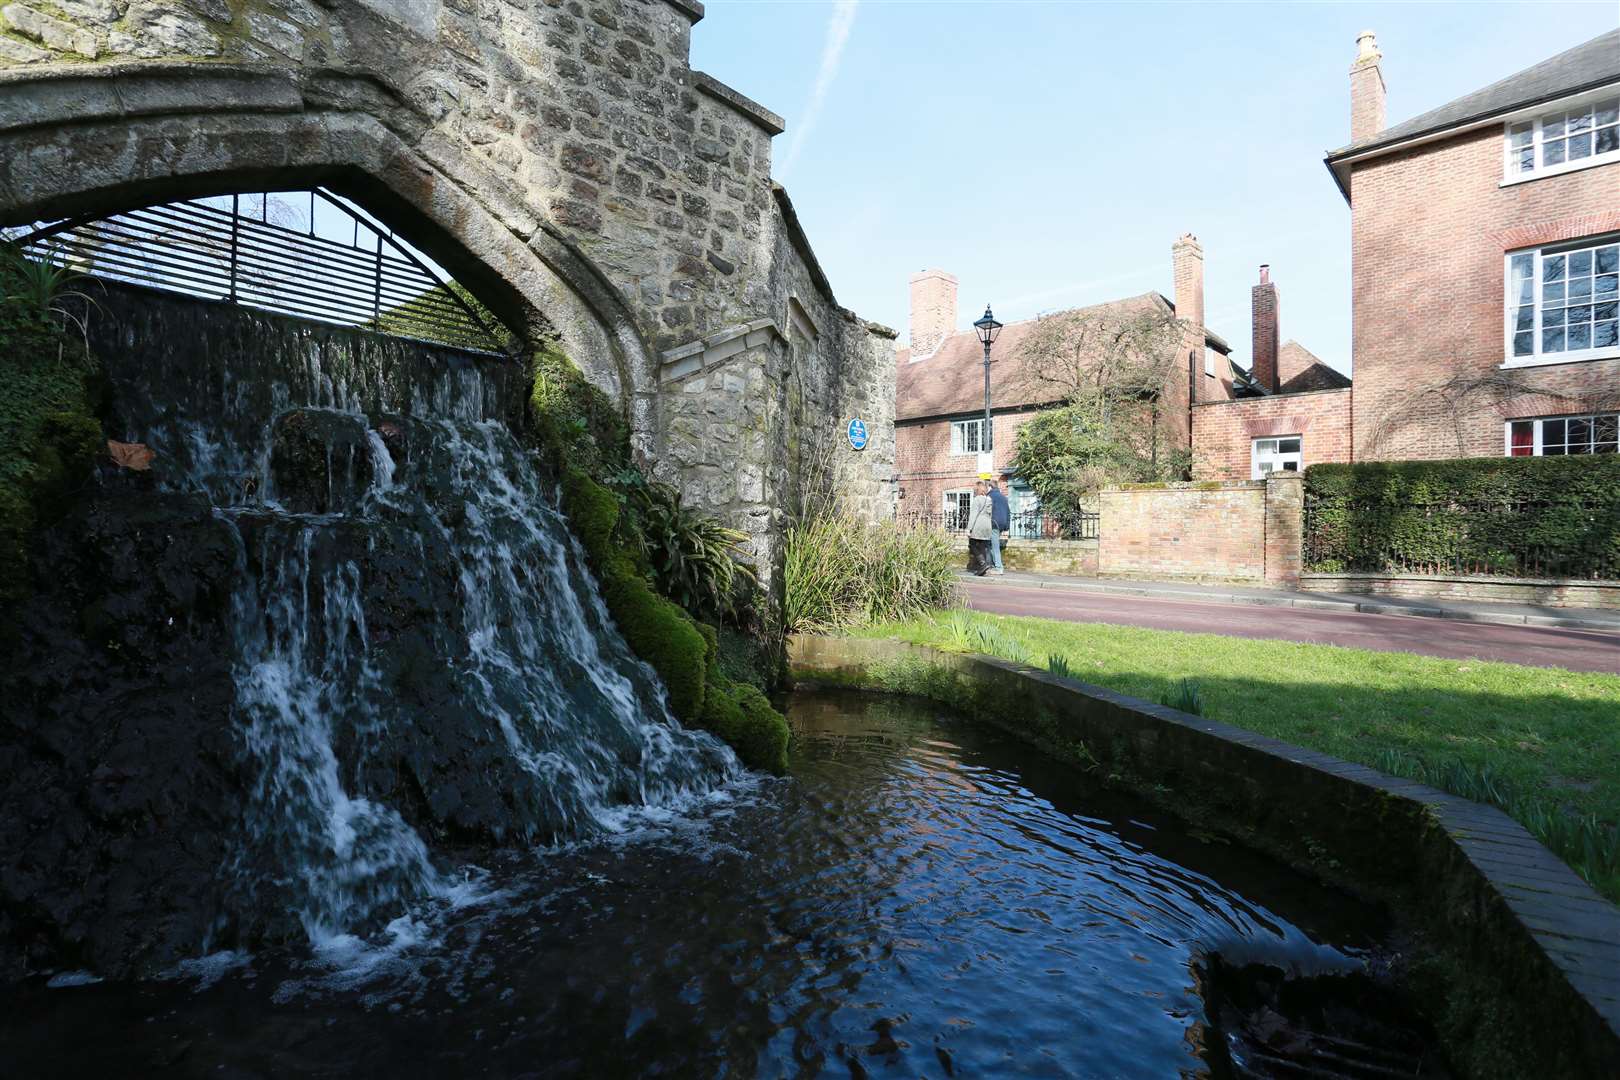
[1552, 517]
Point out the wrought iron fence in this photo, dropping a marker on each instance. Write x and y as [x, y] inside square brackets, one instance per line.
[1029, 525]
[1527, 539]
[333, 264]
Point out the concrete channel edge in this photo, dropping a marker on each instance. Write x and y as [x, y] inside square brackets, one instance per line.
[1474, 876]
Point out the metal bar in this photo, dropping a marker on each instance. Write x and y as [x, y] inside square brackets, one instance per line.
[235, 218]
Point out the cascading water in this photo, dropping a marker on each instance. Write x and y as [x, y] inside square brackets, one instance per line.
[417, 644]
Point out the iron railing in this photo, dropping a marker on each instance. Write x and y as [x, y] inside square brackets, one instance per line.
[220, 249]
[1029, 525]
[1525, 539]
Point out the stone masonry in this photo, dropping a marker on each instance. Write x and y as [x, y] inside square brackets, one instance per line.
[559, 157]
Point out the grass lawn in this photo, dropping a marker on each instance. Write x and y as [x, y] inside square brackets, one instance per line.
[1541, 743]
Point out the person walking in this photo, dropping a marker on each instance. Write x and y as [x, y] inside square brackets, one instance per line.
[980, 529]
[1000, 522]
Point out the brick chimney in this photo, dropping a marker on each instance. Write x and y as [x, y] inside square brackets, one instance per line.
[1264, 298]
[1366, 89]
[1187, 258]
[933, 311]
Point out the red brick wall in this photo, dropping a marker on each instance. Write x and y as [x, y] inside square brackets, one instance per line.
[1225, 532]
[1223, 431]
[1429, 229]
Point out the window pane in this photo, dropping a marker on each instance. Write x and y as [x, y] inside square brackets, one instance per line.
[1605, 431]
[1552, 268]
[1607, 112]
[1578, 314]
[1527, 159]
[1525, 319]
[1552, 294]
[1608, 310]
[1608, 259]
[1553, 153]
[1604, 334]
[1606, 285]
[1288, 446]
[1579, 288]
[1524, 344]
[1580, 264]
[1552, 340]
[1522, 438]
[1519, 134]
[1579, 430]
[1580, 146]
[1580, 336]
[1608, 139]
[1552, 317]
[1552, 127]
[1581, 122]
[1552, 432]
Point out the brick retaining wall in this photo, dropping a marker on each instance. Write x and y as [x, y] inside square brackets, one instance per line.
[1547, 593]
[1075, 558]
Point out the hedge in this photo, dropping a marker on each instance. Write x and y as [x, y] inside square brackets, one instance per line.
[1549, 517]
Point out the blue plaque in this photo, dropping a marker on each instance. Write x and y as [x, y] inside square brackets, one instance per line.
[857, 434]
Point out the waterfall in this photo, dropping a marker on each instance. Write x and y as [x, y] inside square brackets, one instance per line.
[419, 652]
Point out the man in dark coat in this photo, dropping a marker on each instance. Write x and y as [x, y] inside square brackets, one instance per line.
[1000, 522]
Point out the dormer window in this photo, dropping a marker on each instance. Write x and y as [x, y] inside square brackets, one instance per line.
[1564, 140]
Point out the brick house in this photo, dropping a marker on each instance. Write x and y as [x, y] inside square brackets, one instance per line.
[1484, 241]
[939, 400]
[1291, 410]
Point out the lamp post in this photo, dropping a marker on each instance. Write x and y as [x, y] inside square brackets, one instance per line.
[988, 330]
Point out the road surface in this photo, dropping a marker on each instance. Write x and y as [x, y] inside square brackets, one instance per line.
[1542, 646]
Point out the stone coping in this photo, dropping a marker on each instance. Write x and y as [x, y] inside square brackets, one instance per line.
[690, 8]
[747, 106]
[722, 345]
[1514, 915]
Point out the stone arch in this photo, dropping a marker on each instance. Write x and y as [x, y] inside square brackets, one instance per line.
[77, 142]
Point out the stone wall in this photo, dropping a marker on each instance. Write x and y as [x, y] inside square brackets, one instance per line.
[1066, 558]
[1244, 532]
[559, 157]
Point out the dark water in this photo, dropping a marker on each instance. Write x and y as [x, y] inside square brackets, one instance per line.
[919, 898]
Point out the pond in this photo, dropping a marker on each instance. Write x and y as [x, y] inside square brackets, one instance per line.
[920, 897]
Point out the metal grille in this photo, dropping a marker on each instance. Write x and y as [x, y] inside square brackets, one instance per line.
[279, 259]
[1030, 525]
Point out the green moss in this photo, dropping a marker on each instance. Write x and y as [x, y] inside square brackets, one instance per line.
[744, 719]
[574, 423]
[47, 427]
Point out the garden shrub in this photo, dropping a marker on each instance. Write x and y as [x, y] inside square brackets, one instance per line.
[48, 428]
[839, 572]
[1524, 517]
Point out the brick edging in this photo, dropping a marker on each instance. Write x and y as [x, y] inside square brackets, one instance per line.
[1504, 903]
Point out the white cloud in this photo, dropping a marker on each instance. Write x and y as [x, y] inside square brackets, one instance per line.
[832, 55]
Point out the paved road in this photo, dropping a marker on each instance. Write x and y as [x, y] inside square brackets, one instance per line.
[1543, 646]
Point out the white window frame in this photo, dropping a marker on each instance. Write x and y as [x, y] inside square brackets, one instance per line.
[1536, 117]
[1537, 422]
[949, 504]
[1209, 361]
[1510, 306]
[959, 430]
[1282, 458]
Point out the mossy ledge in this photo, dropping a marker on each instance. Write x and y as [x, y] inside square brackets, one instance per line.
[1513, 954]
[683, 651]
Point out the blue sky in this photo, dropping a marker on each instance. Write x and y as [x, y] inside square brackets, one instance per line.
[1049, 153]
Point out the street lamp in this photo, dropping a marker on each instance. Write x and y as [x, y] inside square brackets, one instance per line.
[988, 330]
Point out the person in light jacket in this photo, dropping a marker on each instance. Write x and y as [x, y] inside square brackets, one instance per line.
[1000, 522]
[980, 527]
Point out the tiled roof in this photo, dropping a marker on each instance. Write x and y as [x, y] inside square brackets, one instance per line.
[1588, 65]
[1314, 375]
[951, 380]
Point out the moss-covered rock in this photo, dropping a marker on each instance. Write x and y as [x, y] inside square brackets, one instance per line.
[744, 719]
[574, 423]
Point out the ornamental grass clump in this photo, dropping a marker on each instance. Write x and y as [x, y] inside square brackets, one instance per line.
[840, 572]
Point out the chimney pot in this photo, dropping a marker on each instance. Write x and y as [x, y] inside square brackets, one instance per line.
[1265, 273]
